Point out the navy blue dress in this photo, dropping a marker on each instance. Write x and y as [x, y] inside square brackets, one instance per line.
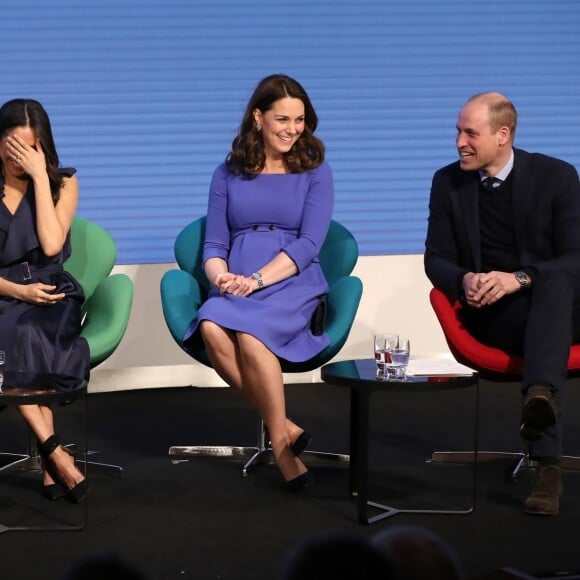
[39, 338]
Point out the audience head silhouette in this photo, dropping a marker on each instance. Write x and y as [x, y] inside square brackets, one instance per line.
[101, 565]
[416, 553]
[335, 555]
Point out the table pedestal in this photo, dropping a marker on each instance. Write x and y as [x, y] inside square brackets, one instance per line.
[360, 377]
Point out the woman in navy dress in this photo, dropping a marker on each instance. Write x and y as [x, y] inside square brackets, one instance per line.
[269, 211]
[40, 304]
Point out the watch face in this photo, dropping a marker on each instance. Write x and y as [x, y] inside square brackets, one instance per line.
[521, 278]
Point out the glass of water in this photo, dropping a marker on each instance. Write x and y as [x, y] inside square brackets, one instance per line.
[384, 343]
[399, 358]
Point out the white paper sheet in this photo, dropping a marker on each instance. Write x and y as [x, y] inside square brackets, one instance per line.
[432, 367]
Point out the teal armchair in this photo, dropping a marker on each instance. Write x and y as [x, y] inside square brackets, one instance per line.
[183, 291]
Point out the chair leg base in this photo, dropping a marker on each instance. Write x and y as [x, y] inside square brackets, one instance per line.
[253, 455]
[259, 454]
[19, 462]
[571, 462]
[324, 457]
[469, 456]
[102, 469]
[96, 467]
[226, 451]
[523, 461]
[26, 463]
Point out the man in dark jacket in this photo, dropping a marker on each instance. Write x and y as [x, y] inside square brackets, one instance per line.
[504, 237]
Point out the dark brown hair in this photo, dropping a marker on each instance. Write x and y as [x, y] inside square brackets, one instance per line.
[247, 155]
[30, 113]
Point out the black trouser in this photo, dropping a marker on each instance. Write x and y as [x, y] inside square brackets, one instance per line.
[538, 323]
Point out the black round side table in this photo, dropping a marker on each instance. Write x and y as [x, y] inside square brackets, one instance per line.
[360, 377]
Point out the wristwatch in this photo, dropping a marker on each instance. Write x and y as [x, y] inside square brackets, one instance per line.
[521, 278]
[257, 276]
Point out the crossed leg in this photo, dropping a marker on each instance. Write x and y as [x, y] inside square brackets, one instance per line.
[248, 365]
[40, 419]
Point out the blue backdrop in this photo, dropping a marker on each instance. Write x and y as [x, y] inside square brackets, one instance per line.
[146, 96]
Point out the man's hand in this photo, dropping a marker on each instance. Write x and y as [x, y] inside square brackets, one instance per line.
[485, 289]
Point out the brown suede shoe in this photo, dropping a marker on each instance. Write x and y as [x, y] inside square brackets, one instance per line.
[539, 412]
[544, 500]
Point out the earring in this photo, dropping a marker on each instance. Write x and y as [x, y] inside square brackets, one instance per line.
[258, 127]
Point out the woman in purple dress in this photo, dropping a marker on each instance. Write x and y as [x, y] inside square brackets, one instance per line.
[269, 210]
[40, 304]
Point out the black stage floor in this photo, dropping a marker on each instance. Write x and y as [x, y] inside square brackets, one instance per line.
[200, 519]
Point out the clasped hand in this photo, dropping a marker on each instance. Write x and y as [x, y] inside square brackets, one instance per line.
[235, 284]
[39, 293]
[485, 289]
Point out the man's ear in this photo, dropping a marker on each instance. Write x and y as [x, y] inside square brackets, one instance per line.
[504, 135]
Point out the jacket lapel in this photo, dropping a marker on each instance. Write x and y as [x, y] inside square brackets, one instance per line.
[522, 190]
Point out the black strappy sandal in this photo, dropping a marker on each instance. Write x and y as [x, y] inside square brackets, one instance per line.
[53, 491]
[75, 494]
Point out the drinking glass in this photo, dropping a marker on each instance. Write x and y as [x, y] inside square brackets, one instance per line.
[384, 343]
[399, 356]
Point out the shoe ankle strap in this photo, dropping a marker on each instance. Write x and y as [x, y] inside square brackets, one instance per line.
[48, 446]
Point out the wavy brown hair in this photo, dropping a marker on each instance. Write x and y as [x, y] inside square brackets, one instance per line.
[30, 113]
[247, 155]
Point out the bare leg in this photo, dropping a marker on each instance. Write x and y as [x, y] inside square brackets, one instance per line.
[40, 420]
[49, 419]
[263, 377]
[224, 354]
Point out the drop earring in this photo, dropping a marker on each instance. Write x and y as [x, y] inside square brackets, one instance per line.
[258, 127]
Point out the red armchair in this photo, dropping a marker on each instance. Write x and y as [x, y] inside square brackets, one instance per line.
[492, 363]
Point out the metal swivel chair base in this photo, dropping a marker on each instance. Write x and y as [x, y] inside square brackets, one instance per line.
[31, 461]
[522, 459]
[260, 454]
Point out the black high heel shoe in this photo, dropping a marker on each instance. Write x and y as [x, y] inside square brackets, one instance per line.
[77, 493]
[53, 491]
[301, 482]
[302, 442]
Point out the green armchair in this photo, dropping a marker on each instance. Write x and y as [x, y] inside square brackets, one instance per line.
[108, 297]
[106, 310]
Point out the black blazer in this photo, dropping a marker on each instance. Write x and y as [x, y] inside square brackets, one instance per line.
[546, 202]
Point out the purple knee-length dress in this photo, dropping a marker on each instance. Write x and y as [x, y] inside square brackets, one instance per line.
[249, 222]
[38, 338]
